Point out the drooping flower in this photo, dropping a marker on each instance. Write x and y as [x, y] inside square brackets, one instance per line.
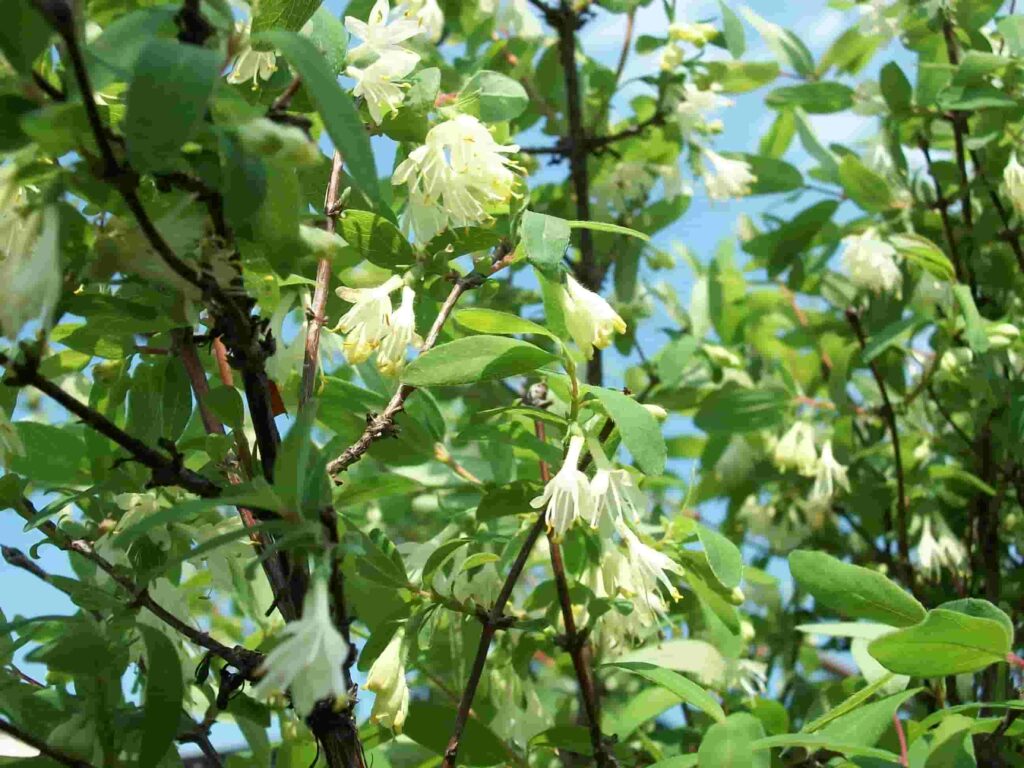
[795, 450]
[376, 83]
[387, 680]
[939, 547]
[567, 495]
[391, 355]
[830, 473]
[697, 104]
[251, 64]
[458, 172]
[870, 262]
[1013, 177]
[368, 321]
[614, 490]
[731, 178]
[429, 16]
[698, 34]
[380, 38]
[30, 272]
[648, 566]
[308, 661]
[589, 319]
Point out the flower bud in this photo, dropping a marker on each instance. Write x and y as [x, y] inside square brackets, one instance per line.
[282, 142]
[656, 411]
[1013, 177]
[1002, 335]
[955, 361]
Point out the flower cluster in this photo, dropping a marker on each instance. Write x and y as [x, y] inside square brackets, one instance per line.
[371, 324]
[870, 263]
[697, 35]
[388, 60]
[455, 176]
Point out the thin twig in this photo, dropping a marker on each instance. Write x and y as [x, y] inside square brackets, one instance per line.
[54, 754]
[943, 205]
[167, 469]
[889, 415]
[311, 361]
[383, 424]
[575, 641]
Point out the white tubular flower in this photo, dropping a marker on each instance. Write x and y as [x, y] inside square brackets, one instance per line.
[379, 37]
[796, 450]
[939, 548]
[749, 675]
[454, 176]
[391, 355]
[376, 83]
[731, 178]
[368, 321]
[10, 441]
[12, 747]
[1013, 177]
[870, 263]
[387, 680]
[308, 661]
[30, 272]
[589, 319]
[614, 491]
[567, 495]
[696, 105]
[696, 34]
[648, 566]
[830, 473]
[251, 64]
[429, 16]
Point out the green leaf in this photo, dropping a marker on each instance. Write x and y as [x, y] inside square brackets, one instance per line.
[492, 321]
[983, 609]
[282, 14]
[640, 431]
[781, 248]
[166, 101]
[1012, 30]
[945, 643]
[164, 694]
[476, 358]
[430, 725]
[896, 89]
[646, 705]
[339, 114]
[737, 409]
[331, 38]
[925, 254]
[687, 690]
[376, 239]
[813, 742]
[815, 98]
[545, 238]
[674, 358]
[75, 651]
[495, 97]
[439, 557]
[787, 47]
[975, 334]
[723, 556]
[890, 336]
[477, 559]
[773, 175]
[865, 187]
[730, 744]
[52, 454]
[23, 35]
[112, 55]
[867, 724]
[732, 29]
[573, 738]
[849, 704]
[853, 590]
[742, 76]
[850, 52]
[604, 226]
[511, 499]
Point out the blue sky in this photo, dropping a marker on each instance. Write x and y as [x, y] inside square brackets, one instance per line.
[703, 226]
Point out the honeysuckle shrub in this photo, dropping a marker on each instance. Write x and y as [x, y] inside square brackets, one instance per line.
[352, 399]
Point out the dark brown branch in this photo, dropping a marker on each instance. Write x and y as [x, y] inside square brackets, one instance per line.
[1012, 235]
[311, 361]
[575, 642]
[943, 206]
[167, 469]
[54, 754]
[492, 621]
[383, 424]
[566, 21]
[889, 415]
[282, 102]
